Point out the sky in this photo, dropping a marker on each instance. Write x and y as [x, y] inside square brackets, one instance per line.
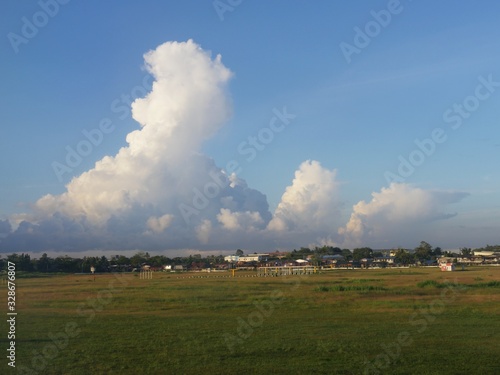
[211, 126]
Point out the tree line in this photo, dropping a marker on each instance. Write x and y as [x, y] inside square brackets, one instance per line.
[422, 253]
[65, 263]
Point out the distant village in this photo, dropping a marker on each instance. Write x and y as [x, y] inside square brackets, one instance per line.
[320, 257]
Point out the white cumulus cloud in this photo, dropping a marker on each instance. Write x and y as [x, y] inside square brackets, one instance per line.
[159, 224]
[239, 220]
[203, 231]
[395, 212]
[187, 105]
[159, 184]
[311, 202]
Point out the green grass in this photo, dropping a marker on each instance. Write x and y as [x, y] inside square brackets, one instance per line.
[337, 322]
[436, 284]
[350, 288]
[490, 284]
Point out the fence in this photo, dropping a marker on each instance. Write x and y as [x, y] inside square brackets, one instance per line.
[284, 271]
[146, 274]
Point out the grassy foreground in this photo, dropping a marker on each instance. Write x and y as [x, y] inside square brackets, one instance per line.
[399, 321]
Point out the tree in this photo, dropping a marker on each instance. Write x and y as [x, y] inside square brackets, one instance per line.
[239, 252]
[119, 260]
[466, 251]
[44, 263]
[423, 251]
[102, 264]
[67, 264]
[327, 250]
[139, 258]
[437, 252]
[303, 252]
[347, 254]
[403, 257]
[362, 252]
[158, 260]
[22, 262]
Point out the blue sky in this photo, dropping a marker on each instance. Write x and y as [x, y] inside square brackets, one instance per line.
[356, 117]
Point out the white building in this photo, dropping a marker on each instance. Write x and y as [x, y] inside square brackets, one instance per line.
[232, 258]
[246, 258]
[447, 266]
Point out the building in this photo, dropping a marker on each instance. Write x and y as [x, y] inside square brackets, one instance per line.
[383, 260]
[447, 266]
[254, 258]
[246, 258]
[232, 258]
[334, 257]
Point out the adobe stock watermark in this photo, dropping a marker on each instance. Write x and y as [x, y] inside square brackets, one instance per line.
[364, 36]
[455, 117]
[61, 340]
[421, 321]
[31, 26]
[248, 148]
[223, 6]
[94, 137]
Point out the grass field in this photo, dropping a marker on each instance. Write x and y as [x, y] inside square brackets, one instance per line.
[397, 321]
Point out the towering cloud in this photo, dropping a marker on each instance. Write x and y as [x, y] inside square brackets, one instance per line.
[159, 186]
[186, 106]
